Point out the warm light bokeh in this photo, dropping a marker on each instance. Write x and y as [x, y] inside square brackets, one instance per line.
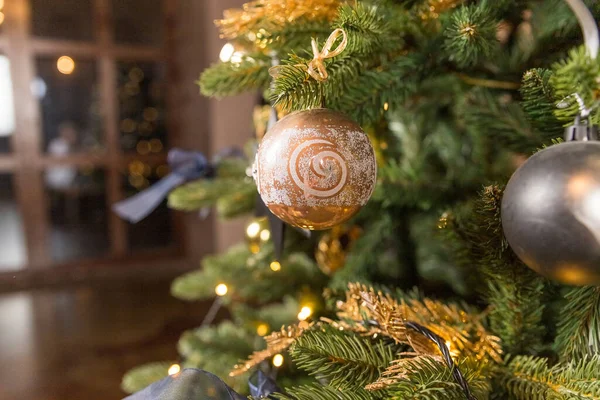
[221, 289]
[65, 65]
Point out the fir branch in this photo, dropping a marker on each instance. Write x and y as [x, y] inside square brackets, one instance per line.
[215, 349]
[295, 90]
[370, 313]
[514, 292]
[471, 35]
[141, 376]
[501, 118]
[277, 342]
[233, 196]
[427, 378]
[346, 361]
[364, 96]
[579, 326]
[320, 392]
[366, 29]
[539, 102]
[577, 74]
[230, 78]
[530, 378]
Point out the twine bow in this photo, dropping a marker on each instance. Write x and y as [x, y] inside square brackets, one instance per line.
[316, 67]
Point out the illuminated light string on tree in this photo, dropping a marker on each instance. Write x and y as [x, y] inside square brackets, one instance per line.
[475, 340]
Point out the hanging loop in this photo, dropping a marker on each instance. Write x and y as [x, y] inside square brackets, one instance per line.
[588, 26]
[316, 67]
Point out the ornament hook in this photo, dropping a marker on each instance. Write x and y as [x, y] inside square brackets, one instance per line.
[588, 26]
[584, 111]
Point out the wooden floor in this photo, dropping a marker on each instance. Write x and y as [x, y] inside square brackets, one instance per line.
[76, 343]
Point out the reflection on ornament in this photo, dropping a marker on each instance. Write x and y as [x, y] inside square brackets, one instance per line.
[550, 212]
[65, 65]
[257, 233]
[334, 246]
[315, 169]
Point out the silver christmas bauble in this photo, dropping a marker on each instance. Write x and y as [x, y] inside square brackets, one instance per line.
[551, 212]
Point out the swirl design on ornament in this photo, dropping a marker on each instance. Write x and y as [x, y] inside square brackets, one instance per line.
[317, 168]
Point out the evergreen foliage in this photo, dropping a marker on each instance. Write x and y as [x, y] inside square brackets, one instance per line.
[346, 361]
[453, 94]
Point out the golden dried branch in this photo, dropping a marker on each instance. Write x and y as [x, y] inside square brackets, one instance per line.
[400, 368]
[277, 342]
[257, 19]
[463, 329]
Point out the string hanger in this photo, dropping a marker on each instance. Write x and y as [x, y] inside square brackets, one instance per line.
[316, 67]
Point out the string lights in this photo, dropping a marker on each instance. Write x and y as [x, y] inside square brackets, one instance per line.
[65, 65]
[221, 289]
[277, 360]
[174, 369]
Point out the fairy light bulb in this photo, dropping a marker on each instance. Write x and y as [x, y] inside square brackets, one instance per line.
[226, 52]
[275, 266]
[253, 230]
[174, 369]
[262, 329]
[304, 313]
[65, 65]
[265, 235]
[277, 360]
[221, 289]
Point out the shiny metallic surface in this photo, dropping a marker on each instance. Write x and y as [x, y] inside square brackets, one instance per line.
[551, 212]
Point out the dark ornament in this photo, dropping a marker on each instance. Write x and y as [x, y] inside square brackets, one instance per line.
[551, 209]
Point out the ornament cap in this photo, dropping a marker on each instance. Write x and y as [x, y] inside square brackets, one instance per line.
[581, 131]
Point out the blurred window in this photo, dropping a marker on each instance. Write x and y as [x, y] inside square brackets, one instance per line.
[77, 211]
[62, 19]
[7, 106]
[141, 92]
[88, 105]
[156, 230]
[70, 105]
[138, 22]
[12, 241]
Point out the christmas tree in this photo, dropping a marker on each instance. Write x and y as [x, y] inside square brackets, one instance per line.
[423, 297]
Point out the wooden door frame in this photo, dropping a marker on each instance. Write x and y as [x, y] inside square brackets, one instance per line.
[28, 160]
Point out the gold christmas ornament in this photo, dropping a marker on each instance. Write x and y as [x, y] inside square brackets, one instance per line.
[315, 169]
[334, 246]
[257, 233]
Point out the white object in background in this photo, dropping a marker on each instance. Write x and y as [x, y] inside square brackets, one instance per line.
[588, 26]
[7, 105]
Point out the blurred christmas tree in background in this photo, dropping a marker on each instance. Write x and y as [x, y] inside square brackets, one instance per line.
[454, 97]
